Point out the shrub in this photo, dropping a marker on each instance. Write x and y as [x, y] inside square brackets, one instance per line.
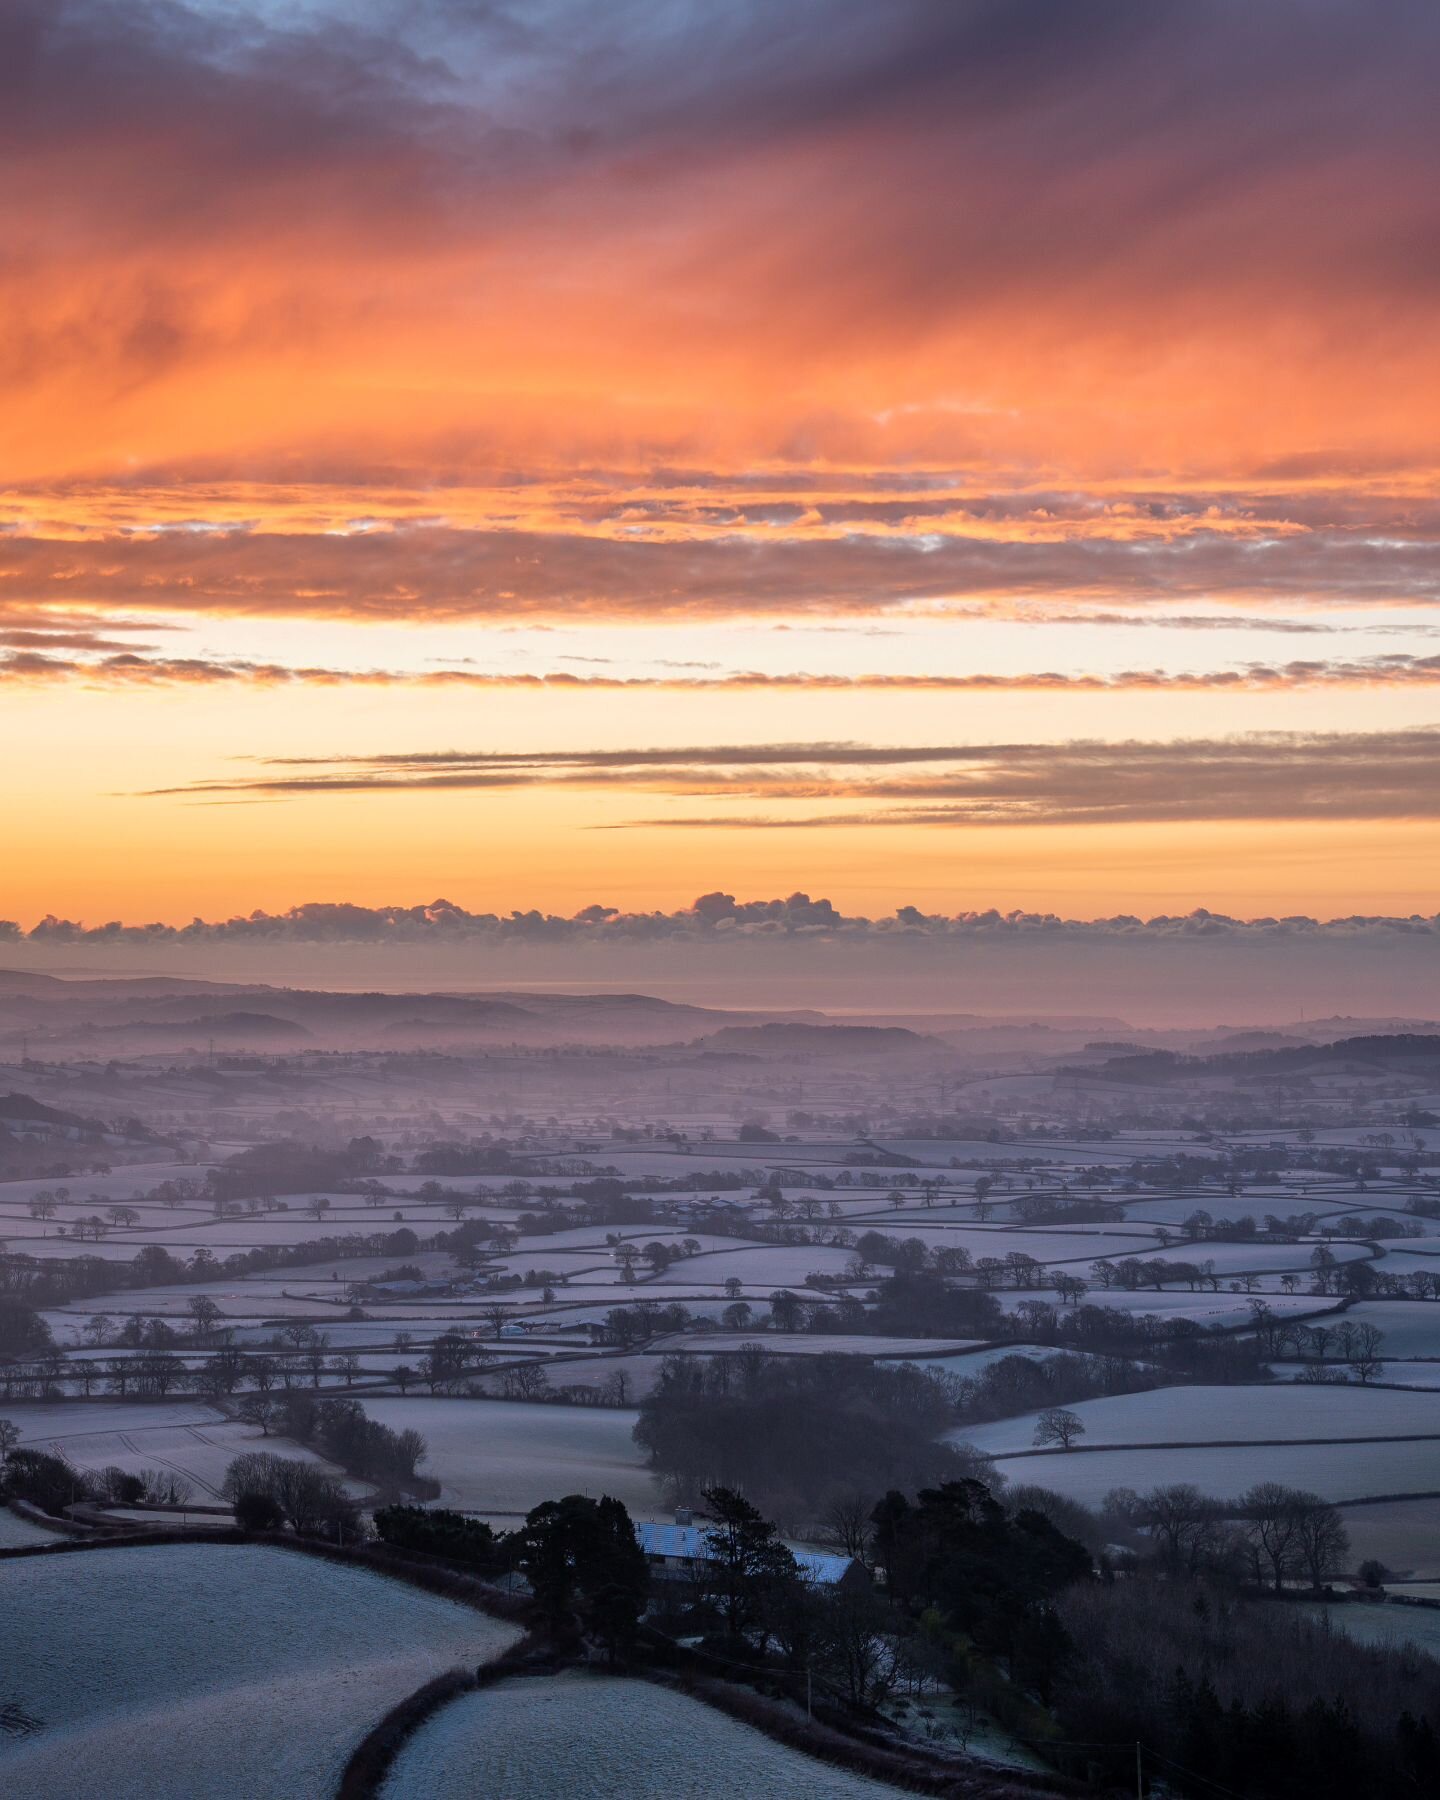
[45, 1481]
[257, 1511]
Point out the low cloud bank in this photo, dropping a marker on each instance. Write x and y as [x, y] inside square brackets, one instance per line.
[714, 918]
[1197, 968]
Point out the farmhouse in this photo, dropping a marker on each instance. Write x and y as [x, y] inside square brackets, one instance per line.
[675, 1550]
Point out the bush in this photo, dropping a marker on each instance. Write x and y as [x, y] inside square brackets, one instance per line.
[468, 1542]
[257, 1511]
[311, 1501]
[120, 1487]
[45, 1481]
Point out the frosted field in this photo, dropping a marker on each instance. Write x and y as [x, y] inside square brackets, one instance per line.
[1334, 1471]
[15, 1218]
[191, 1672]
[18, 1534]
[196, 1442]
[1393, 1374]
[877, 1215]
[507, 1456]
[1205, 1308]
[767, 1266]
[48, 1421]
[592, 1237]
[785, 1343]
[1240, 1259]
[577, 1735]
[587, 1299]
[1283, 1413]
[354, 1334]
[1402, 1534]
[590, 1265]
[981, 1150]
[1410, 1327]
[123, 1181]
[1000, 1240]
[1392, 1626]
[1408, 1261]
[977, 1361]
[640, 1372]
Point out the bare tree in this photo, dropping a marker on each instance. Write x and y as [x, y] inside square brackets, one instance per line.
[1321, 1540]
[1184, 1525]
[846, 1525]
[1272, 1528]
[1058, 1426]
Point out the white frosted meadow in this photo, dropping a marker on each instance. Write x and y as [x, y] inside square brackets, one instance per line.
[220, 1672]
[507, 1456]
[576, 1735]
[1282, 1413]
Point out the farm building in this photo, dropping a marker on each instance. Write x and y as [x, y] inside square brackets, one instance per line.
[673, 1550]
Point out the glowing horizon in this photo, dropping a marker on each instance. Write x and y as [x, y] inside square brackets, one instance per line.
[1058, 391]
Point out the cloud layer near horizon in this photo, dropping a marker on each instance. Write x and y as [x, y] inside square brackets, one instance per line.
[716, 917]
[1275, 775]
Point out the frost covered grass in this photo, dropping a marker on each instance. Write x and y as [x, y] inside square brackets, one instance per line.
[1404, 1535]
[1392, 1626]
[1334, 1471]
[606, 1740]
[1179, 1303]
[186, 1672]
[1411, 1327]
[18, 1534]
[784, 1343]
[1200, 1415]
[507, 1456]
[201, 1449]
[764, 1266]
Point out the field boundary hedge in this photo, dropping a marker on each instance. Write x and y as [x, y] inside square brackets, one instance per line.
[374, 1756]
[380, 1559]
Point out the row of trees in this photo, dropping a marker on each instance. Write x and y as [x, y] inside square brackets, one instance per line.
[268, 1491]
[1272, 1536]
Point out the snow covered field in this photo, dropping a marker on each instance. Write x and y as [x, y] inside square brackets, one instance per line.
[1282, 1413]
[194, 1441]
[1404, 1535]
[18, 1534]
[1411, 1327]
[1179, 1303]
[1393, 1626]
[765, 1266]
[574, 1735]
[507, 1456]
[802, 1344]
[191, 1672]
[1334, 1471]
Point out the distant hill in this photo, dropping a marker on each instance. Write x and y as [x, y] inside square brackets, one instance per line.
[818, 1040]
[249, 1026]
[21, 1109]
[1403, 1053]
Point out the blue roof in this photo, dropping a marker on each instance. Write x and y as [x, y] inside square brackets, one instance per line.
[687, 1543]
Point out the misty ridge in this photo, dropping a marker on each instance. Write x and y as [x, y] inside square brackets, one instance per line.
[801, 953]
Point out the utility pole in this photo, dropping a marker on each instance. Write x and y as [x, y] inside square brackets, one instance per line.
[1139, 1776]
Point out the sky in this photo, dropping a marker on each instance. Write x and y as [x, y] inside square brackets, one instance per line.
[949, 454]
